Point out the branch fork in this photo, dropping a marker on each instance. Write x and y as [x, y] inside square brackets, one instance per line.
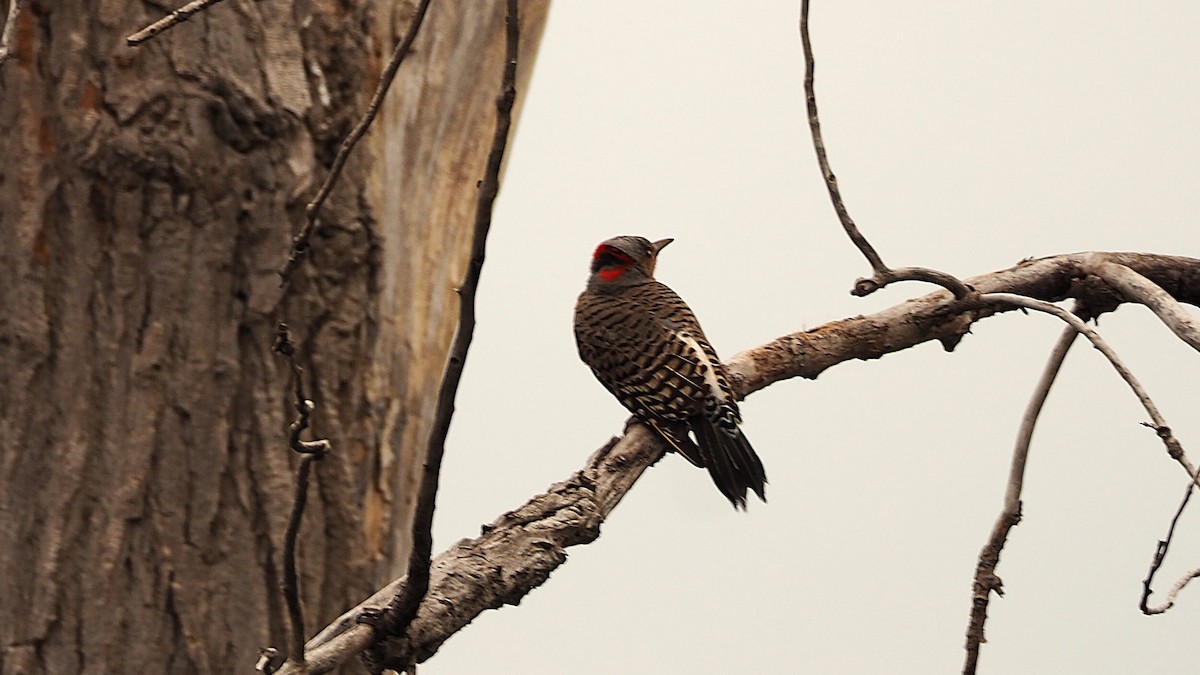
[1127, 283]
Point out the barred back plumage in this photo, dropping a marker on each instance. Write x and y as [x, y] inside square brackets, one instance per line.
[643, 343]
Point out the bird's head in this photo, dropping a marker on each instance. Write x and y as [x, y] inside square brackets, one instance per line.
[624, 261]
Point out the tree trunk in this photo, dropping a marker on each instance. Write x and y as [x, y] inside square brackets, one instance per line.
[147, 199]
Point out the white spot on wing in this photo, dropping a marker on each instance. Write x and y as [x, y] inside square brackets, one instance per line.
[710, 368]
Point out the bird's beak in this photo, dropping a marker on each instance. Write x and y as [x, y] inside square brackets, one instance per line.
[660, 245]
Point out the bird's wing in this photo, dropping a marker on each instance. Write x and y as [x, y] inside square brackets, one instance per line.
[651, 372]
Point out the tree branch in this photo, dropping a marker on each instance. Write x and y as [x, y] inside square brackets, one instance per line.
[938, 316]
[1160, 554]
[300, 242]
[865, 286]
[1159, 424]
[814, 126]
[169, 21]
[884, 275]
[517, 552]
[512, 556]
[986, 580]
[1137, 288]
[309, 451]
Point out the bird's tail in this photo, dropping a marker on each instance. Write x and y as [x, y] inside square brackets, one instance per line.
[730, 460]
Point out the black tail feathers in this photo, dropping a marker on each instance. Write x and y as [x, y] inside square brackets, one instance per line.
[731, 462]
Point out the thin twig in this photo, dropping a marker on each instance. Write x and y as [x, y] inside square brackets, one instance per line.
[1158, 423]
[300, 242]
[310, 451]
[10, 28]
[1179, 585]
[174, 18]
[1160, 554]
[291, 583]
[986, 580]
[884, 275]
[867, 286]
[1138, 288]
[403, 608]
[814, 125]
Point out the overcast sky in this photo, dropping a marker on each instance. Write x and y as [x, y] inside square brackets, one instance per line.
[966, 136]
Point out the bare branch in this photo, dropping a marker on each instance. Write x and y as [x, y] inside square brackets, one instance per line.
[310, 451]
[300, 242]
[814, 125]
[514, 554]
[354, 640]
[1179, 585]
[884, 275]
[10, 29]
[867, 286]
[938, 316]
[1174, 449]
[1160, 554]
[291, 583]
[169, 21]
[986, 579]
[1137, 288]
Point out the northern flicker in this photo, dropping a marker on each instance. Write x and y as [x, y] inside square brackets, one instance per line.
[645, 346]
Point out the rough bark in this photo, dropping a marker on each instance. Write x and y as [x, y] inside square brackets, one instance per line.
[147, 199]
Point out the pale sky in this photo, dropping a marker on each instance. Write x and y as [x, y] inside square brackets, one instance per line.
[966, 136]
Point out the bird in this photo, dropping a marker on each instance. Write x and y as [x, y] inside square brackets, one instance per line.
[644, 344]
